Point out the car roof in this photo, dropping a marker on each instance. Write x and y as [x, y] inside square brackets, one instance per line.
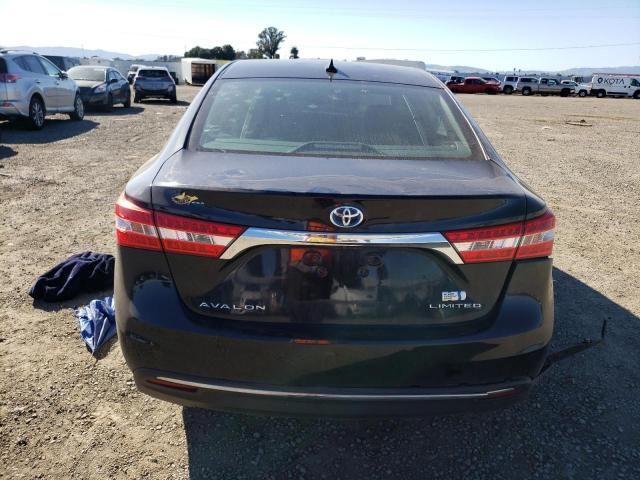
[362, 71]
[142, 67]
[9, 51]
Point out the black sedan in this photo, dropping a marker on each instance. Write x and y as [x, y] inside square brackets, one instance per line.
[332, 239]
[101, 86]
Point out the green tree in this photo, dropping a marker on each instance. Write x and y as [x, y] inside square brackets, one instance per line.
[294, 52]
[225, 52]
[255, 53]
[197, 52]
[228, 52]
[269, 41]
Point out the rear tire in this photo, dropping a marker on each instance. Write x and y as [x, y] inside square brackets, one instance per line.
[127, 102]
[173, 99]
[508, 90]
[35, 121]
[582, 93]
[636, 94]
[136, 98]
[78, 109]
[601, 94]
[526, 91]
[564, 92]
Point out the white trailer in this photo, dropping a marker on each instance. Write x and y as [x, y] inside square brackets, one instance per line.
[196, 71]
[615, 84]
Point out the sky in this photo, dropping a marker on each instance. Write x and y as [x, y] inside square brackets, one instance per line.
[497, 35]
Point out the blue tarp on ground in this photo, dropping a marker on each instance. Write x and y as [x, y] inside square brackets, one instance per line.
[97, 323]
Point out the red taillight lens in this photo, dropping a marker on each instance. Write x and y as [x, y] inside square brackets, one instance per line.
[134, 226]
[195, 237]
[537, 240]
[141, 228]
[9, 78]
[491, 244]
[532, 239]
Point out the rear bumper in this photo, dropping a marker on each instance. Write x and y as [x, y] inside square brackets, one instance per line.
[267, 399]
[161, 337]
[142, 93]
[12, 109]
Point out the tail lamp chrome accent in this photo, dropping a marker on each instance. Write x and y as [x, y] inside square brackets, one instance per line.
[255, 237]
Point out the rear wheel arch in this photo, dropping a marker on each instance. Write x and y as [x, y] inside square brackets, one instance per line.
[39, 96]
[526, 90]
[36, 113]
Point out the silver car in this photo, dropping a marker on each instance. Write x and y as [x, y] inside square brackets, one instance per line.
[154, 82]
[32, 87]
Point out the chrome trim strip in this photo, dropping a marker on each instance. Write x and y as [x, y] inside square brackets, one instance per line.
[337, 396]
[254, 237]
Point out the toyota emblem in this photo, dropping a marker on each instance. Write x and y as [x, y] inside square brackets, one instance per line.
[346, 217]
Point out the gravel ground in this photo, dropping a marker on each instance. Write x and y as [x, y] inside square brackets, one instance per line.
[65, 415]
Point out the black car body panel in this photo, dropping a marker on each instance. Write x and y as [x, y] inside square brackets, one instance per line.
[331, 327]
[97, 92]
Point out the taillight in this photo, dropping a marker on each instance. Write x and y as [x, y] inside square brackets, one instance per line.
[9, 78]
[532, 239]
[195, 237]
[141, 228]
[537, 240]
[134, 226]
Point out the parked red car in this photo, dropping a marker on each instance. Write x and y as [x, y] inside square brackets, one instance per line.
[474, 85]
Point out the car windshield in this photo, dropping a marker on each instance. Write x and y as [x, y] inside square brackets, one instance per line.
[153, 73]
[87, 73]
[339, 118]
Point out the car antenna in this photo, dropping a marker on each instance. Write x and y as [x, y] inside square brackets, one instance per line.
[331, 70]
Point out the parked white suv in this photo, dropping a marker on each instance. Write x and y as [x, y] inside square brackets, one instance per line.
[32, 87]
[509, 84]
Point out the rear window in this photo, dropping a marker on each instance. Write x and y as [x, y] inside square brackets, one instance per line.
[153, 73]
[88, 73]
[339, 118]
[3, 66]
[510, 79]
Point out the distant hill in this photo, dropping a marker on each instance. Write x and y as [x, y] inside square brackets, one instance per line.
[81, 52]
[459, 68]
[590, 70]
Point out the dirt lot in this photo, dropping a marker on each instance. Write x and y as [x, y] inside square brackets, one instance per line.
[65, 415]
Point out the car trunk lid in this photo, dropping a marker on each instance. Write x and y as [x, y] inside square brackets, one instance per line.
[327, 278]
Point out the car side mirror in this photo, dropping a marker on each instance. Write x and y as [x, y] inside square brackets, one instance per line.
[63, 75]
[113, 80]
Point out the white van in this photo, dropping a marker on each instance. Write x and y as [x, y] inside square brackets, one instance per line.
[615, 84]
